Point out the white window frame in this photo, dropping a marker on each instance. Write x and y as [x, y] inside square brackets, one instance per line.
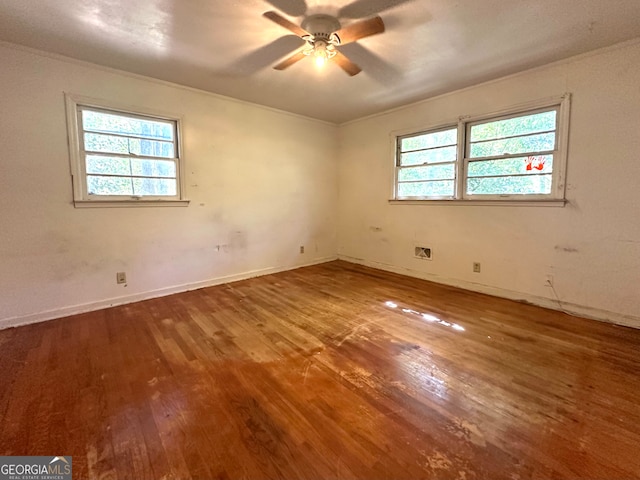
[398, 167]
[464, 123]
[81, 198]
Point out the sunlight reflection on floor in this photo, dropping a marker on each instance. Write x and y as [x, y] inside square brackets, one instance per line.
[426, 316]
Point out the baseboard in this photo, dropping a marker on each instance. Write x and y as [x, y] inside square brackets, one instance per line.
[112, 302]
[567, 307]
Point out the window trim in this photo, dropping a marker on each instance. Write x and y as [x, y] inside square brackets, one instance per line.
[463, 125]
[77, 164]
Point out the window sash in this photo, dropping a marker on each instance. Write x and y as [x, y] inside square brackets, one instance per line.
[468, 159]
[83, 153]
[425, 149]
[430, 197]
[128, 114]
[126, 135]
[511, 155]
[399, 166]
[128, 155]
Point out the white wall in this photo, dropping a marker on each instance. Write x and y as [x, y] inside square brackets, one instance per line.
[261, 183]
[591, 246]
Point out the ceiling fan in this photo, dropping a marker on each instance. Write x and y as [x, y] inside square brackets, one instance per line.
[323, 35]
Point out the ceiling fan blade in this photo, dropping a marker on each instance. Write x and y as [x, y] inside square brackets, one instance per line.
[287, 62]
[366, 8]
[376, 67]
[346, 64]
[294, 8]
[265, 56]
[283, 22]
[359, 30]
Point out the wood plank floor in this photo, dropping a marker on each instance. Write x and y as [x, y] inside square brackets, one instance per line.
[334, 371]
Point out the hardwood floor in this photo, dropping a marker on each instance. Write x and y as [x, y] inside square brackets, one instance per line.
[334, 371]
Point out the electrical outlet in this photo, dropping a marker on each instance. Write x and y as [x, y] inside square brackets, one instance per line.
[549, 281]
[476, 267]
[423, 253]
[301, 248]
[121, 277]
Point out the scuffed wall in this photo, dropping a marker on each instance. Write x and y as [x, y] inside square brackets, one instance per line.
[591, 247]
[261, 184]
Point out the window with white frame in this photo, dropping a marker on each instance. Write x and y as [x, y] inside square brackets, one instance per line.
[426, 164]
[123, 156]
[513, 155]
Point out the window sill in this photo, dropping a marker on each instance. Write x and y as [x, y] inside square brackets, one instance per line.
[129, 203]
[502, 203]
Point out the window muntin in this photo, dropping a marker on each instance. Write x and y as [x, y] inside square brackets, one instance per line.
[126, 155]
[514, 155]
[426, 164]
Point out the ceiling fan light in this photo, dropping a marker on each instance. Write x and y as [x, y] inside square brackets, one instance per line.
[310, 47]
[320, 58]
[331, 51]
[320, 53]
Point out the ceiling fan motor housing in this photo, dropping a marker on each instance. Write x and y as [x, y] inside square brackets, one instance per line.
[321, 26]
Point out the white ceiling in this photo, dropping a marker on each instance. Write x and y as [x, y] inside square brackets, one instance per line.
[227, 47]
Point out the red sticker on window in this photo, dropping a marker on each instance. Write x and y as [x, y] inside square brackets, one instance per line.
[536, 162]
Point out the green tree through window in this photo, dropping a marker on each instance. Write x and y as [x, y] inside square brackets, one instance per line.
[128, 155]
[515, 155]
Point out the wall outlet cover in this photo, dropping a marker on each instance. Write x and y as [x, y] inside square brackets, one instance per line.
[423, 253]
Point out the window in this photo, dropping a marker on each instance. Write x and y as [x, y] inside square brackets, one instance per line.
[427, 164]
[123, 157]
[514, 155]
